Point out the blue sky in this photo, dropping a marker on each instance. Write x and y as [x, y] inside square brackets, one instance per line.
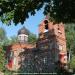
[31, 24]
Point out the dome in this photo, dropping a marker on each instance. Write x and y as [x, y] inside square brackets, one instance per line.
[23, 31]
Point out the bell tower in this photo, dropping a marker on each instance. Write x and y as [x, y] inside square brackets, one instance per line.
[52, 38]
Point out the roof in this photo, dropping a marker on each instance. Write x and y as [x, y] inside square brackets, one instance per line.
[18, 46]
[23, 30]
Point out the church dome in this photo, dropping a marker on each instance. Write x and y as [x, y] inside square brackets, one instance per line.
[23, 31]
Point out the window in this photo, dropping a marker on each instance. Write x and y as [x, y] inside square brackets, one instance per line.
[14, 61]
[59, 31]
[46, 26]
[11, 54]
[23, 38]
[45, 60]
[60, 47]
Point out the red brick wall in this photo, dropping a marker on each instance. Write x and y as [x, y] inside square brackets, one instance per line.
[56, 33]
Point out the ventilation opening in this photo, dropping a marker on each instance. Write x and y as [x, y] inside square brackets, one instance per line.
[59, 31]
[46, 21]
[46, 25]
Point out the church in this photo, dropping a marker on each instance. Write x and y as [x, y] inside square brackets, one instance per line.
[14, 50]
[49, 49]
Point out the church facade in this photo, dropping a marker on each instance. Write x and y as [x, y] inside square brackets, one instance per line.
[49, 49]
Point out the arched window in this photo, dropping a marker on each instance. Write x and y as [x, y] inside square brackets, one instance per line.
[46, 25]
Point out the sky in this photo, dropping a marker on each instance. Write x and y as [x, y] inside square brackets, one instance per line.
[31, 24]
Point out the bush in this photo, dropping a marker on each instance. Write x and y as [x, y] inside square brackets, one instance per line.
[72, 62]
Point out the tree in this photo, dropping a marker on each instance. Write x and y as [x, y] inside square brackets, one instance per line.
[2, 58]
[32, 38]
[3, 38]
[3, 42]
[2, 34]
[70, 37]
[14, 39]
[72, 63]
[6, 42]
[19, 10]
[2, 52]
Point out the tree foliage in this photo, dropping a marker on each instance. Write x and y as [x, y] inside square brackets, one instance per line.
[14, 39]
[72, 62]
[2, 52]
[70, 36]
[19, 10]
[3, 38]
[2, 59]
[2, 34]
[32, 38]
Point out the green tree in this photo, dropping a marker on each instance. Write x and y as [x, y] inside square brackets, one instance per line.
[4, 41]
[14, 39]
[19, 10]
[3, 38]
[2, 52]
[2, 34]
[2, 58]
[70, 36]
[72, 63]
[32, 38]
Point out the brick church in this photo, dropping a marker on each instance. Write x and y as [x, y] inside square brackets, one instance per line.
[41, 57]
